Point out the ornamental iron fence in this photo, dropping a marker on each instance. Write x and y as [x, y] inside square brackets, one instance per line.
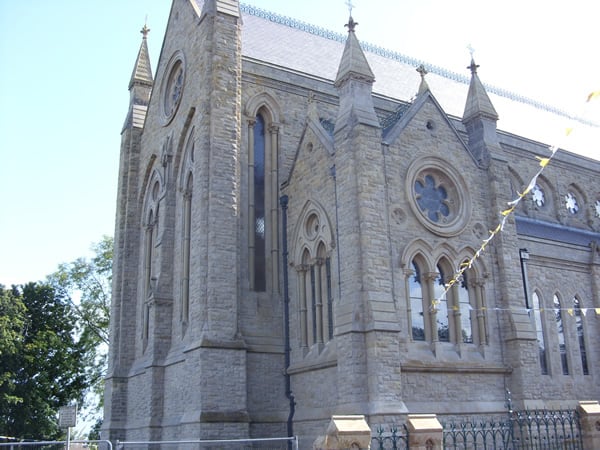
[396, 438]
[522, 430]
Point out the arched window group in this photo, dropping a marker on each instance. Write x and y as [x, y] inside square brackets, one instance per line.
[316, 302]
[567, 333]
[455, 315]
[150, 225]
[313, 263]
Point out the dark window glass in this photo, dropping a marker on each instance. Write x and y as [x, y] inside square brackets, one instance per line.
[432, 199]
[562, 346]
[259, 205]
[580, 336]
[416, 304]
[540, 333]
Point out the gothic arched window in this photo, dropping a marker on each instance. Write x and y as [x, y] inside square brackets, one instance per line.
[417, 315]
[464, 309]
[263, 195]
[258, 219]
[186, 250]
[539, 330]
[560, 330]
[580, 335]
[441, 314]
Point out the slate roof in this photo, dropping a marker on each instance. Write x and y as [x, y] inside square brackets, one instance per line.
[301, 47]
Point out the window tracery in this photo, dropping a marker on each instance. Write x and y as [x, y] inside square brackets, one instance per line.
[314, 275]
[456, 316]
[438, 196]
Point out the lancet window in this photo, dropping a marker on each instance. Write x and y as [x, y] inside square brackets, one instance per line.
[539, 330]
[186, 250]
[560, 330]
[580, 335]
[263, 191]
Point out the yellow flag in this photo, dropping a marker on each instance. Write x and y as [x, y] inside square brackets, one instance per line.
[593, 95]
[570, 311]
[597, 311]
[543, 161]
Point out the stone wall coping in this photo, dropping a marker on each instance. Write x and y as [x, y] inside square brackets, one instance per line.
[423, 422]
[590, 407]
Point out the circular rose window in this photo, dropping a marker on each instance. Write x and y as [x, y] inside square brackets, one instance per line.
[438, 196]
[172, 87]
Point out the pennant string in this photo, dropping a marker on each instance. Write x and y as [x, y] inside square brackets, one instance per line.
[505, 214]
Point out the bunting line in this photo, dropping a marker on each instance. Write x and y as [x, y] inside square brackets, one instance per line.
[570, 311]
[505, 214]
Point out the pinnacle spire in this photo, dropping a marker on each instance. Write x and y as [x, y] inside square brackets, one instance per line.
[480, 119]
[142, 71]
[353, 63]
[478, 102]
[140, 85]
[354, 82]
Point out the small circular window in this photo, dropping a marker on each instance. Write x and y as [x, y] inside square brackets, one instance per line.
[312, 226]
[172, 87]
[438, 196]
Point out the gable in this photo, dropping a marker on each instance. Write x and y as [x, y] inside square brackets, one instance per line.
[426, 122]
[313, 153]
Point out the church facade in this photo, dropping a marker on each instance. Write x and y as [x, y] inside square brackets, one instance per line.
[305, 228]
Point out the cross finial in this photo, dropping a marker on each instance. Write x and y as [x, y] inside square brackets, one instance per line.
[422, 71]
[350, 6]
[351, 23]
[471, 50]
[472, 66]
[145, 30]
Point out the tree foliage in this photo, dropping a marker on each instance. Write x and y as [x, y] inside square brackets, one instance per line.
[87, 284]
[41, 358]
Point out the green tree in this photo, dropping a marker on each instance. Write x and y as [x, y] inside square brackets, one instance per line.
[12, 321]
[87, 284]
[42, 362]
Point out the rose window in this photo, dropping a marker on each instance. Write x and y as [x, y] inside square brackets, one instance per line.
[438, 196]
[432, 198]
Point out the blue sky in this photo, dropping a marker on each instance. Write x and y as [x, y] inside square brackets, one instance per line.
[65, 67]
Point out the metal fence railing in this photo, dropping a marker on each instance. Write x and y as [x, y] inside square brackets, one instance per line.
[14, 444]
[282, 443]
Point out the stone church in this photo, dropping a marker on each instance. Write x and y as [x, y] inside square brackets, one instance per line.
[309, 226]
